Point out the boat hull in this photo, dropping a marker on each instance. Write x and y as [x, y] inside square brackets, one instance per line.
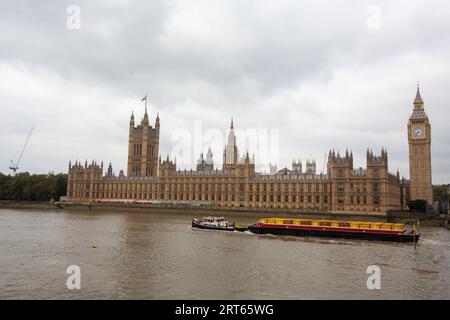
[334, 234]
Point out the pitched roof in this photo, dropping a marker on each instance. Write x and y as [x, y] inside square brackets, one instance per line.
[418, 97]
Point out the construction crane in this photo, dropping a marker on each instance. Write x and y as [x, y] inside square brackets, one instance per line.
[14, 166]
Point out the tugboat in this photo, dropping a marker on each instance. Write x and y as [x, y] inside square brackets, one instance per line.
[216, 223]
[378, 231]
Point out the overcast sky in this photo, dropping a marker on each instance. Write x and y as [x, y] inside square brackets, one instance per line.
[319, 74]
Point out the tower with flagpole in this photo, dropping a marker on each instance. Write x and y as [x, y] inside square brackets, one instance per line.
[143, 145]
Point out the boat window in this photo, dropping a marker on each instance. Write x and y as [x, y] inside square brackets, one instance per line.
[344, 224]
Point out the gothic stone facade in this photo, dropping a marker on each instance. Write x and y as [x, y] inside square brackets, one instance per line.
[342, 188]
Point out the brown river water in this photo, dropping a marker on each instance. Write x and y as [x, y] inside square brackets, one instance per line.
[137, 255]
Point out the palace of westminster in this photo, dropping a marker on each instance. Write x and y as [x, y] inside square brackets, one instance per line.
[341, 189]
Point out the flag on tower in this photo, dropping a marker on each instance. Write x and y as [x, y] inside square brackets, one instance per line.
[145, 99]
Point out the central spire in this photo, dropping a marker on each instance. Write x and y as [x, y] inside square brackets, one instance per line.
[230, 152]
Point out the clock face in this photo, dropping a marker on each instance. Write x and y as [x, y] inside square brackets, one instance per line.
[418, 132]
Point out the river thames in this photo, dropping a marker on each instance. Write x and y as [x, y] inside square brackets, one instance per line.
[137, 255]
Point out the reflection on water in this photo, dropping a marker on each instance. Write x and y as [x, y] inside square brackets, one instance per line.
[159, 256]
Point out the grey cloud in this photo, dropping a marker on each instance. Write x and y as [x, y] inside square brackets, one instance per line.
[314, 70]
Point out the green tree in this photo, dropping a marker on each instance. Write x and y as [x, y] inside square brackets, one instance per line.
[36, 187]
[418, 205]
[441, 193]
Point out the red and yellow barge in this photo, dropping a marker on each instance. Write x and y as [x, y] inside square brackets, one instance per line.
[380, 231]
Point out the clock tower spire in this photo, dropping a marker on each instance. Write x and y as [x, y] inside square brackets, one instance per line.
[419, 139]
[418, 102]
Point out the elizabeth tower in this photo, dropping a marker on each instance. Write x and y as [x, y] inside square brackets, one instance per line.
[419, 138]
